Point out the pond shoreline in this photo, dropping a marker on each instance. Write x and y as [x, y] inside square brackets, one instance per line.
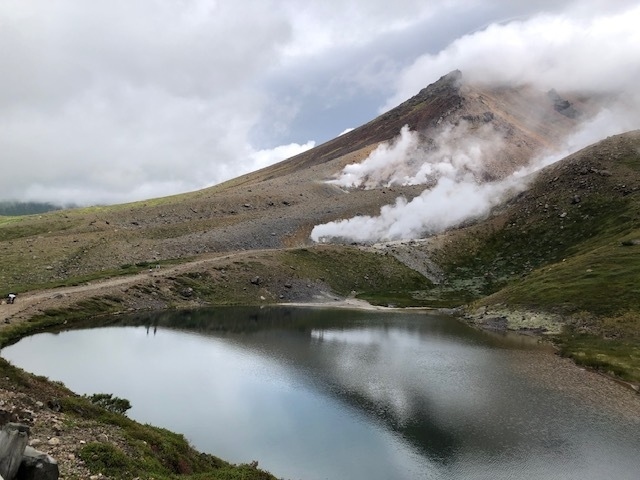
[535, 367]
[28, 317]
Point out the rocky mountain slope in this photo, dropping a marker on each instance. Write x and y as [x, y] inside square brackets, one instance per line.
[277, 206]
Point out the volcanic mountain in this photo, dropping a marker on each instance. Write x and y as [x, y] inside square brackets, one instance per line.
[278, 206]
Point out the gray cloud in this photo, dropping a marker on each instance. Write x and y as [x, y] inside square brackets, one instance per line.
[581, 49]
[111, 101]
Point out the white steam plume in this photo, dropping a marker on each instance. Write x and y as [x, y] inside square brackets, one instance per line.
[455, 152]
[446, 205]
[572, 51]
[454, 160]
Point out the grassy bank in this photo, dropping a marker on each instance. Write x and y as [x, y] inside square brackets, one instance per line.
[304, 274]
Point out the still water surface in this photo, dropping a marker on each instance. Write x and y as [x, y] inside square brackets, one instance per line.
[334, 394]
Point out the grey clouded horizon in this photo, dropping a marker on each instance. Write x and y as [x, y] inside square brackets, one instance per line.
[107, 102]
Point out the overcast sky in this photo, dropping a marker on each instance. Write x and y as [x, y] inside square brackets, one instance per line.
[119, 100]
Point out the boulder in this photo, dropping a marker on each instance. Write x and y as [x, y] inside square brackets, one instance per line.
[37, 465]
[13, 440]
[54, 404]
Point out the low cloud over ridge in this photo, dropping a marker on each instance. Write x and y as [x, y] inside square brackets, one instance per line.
[105, 102]
[576, 51]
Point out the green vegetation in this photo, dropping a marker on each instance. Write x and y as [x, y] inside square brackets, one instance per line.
[497, 257]
[619, 357]
[109, 402]
[379, 279]
[21, 227]
[26, 208]
[71, 281]
[300, 273]
[603, 281]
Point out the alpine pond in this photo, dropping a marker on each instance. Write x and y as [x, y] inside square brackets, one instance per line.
[333, 394]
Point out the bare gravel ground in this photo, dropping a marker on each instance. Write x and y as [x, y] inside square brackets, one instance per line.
[561, 374]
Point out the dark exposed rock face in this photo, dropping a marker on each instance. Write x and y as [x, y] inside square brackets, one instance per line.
[13, 440]
[562, 105]
[37, 465]
[18, 461]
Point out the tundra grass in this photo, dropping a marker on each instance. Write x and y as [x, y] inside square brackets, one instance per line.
[299, 274]
[619, 357]
[124, 270]
[379, 279]
[604, 281]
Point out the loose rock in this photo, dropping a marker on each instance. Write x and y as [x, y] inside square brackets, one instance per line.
[37, 465]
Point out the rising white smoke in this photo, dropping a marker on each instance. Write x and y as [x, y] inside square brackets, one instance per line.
[455, 152]
[575, 51]
[453, 162]
[446, 205]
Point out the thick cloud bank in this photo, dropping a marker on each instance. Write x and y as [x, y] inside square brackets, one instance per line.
[577, 50]
[107, 102]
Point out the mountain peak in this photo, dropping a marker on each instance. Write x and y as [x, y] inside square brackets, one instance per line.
[450, 81]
